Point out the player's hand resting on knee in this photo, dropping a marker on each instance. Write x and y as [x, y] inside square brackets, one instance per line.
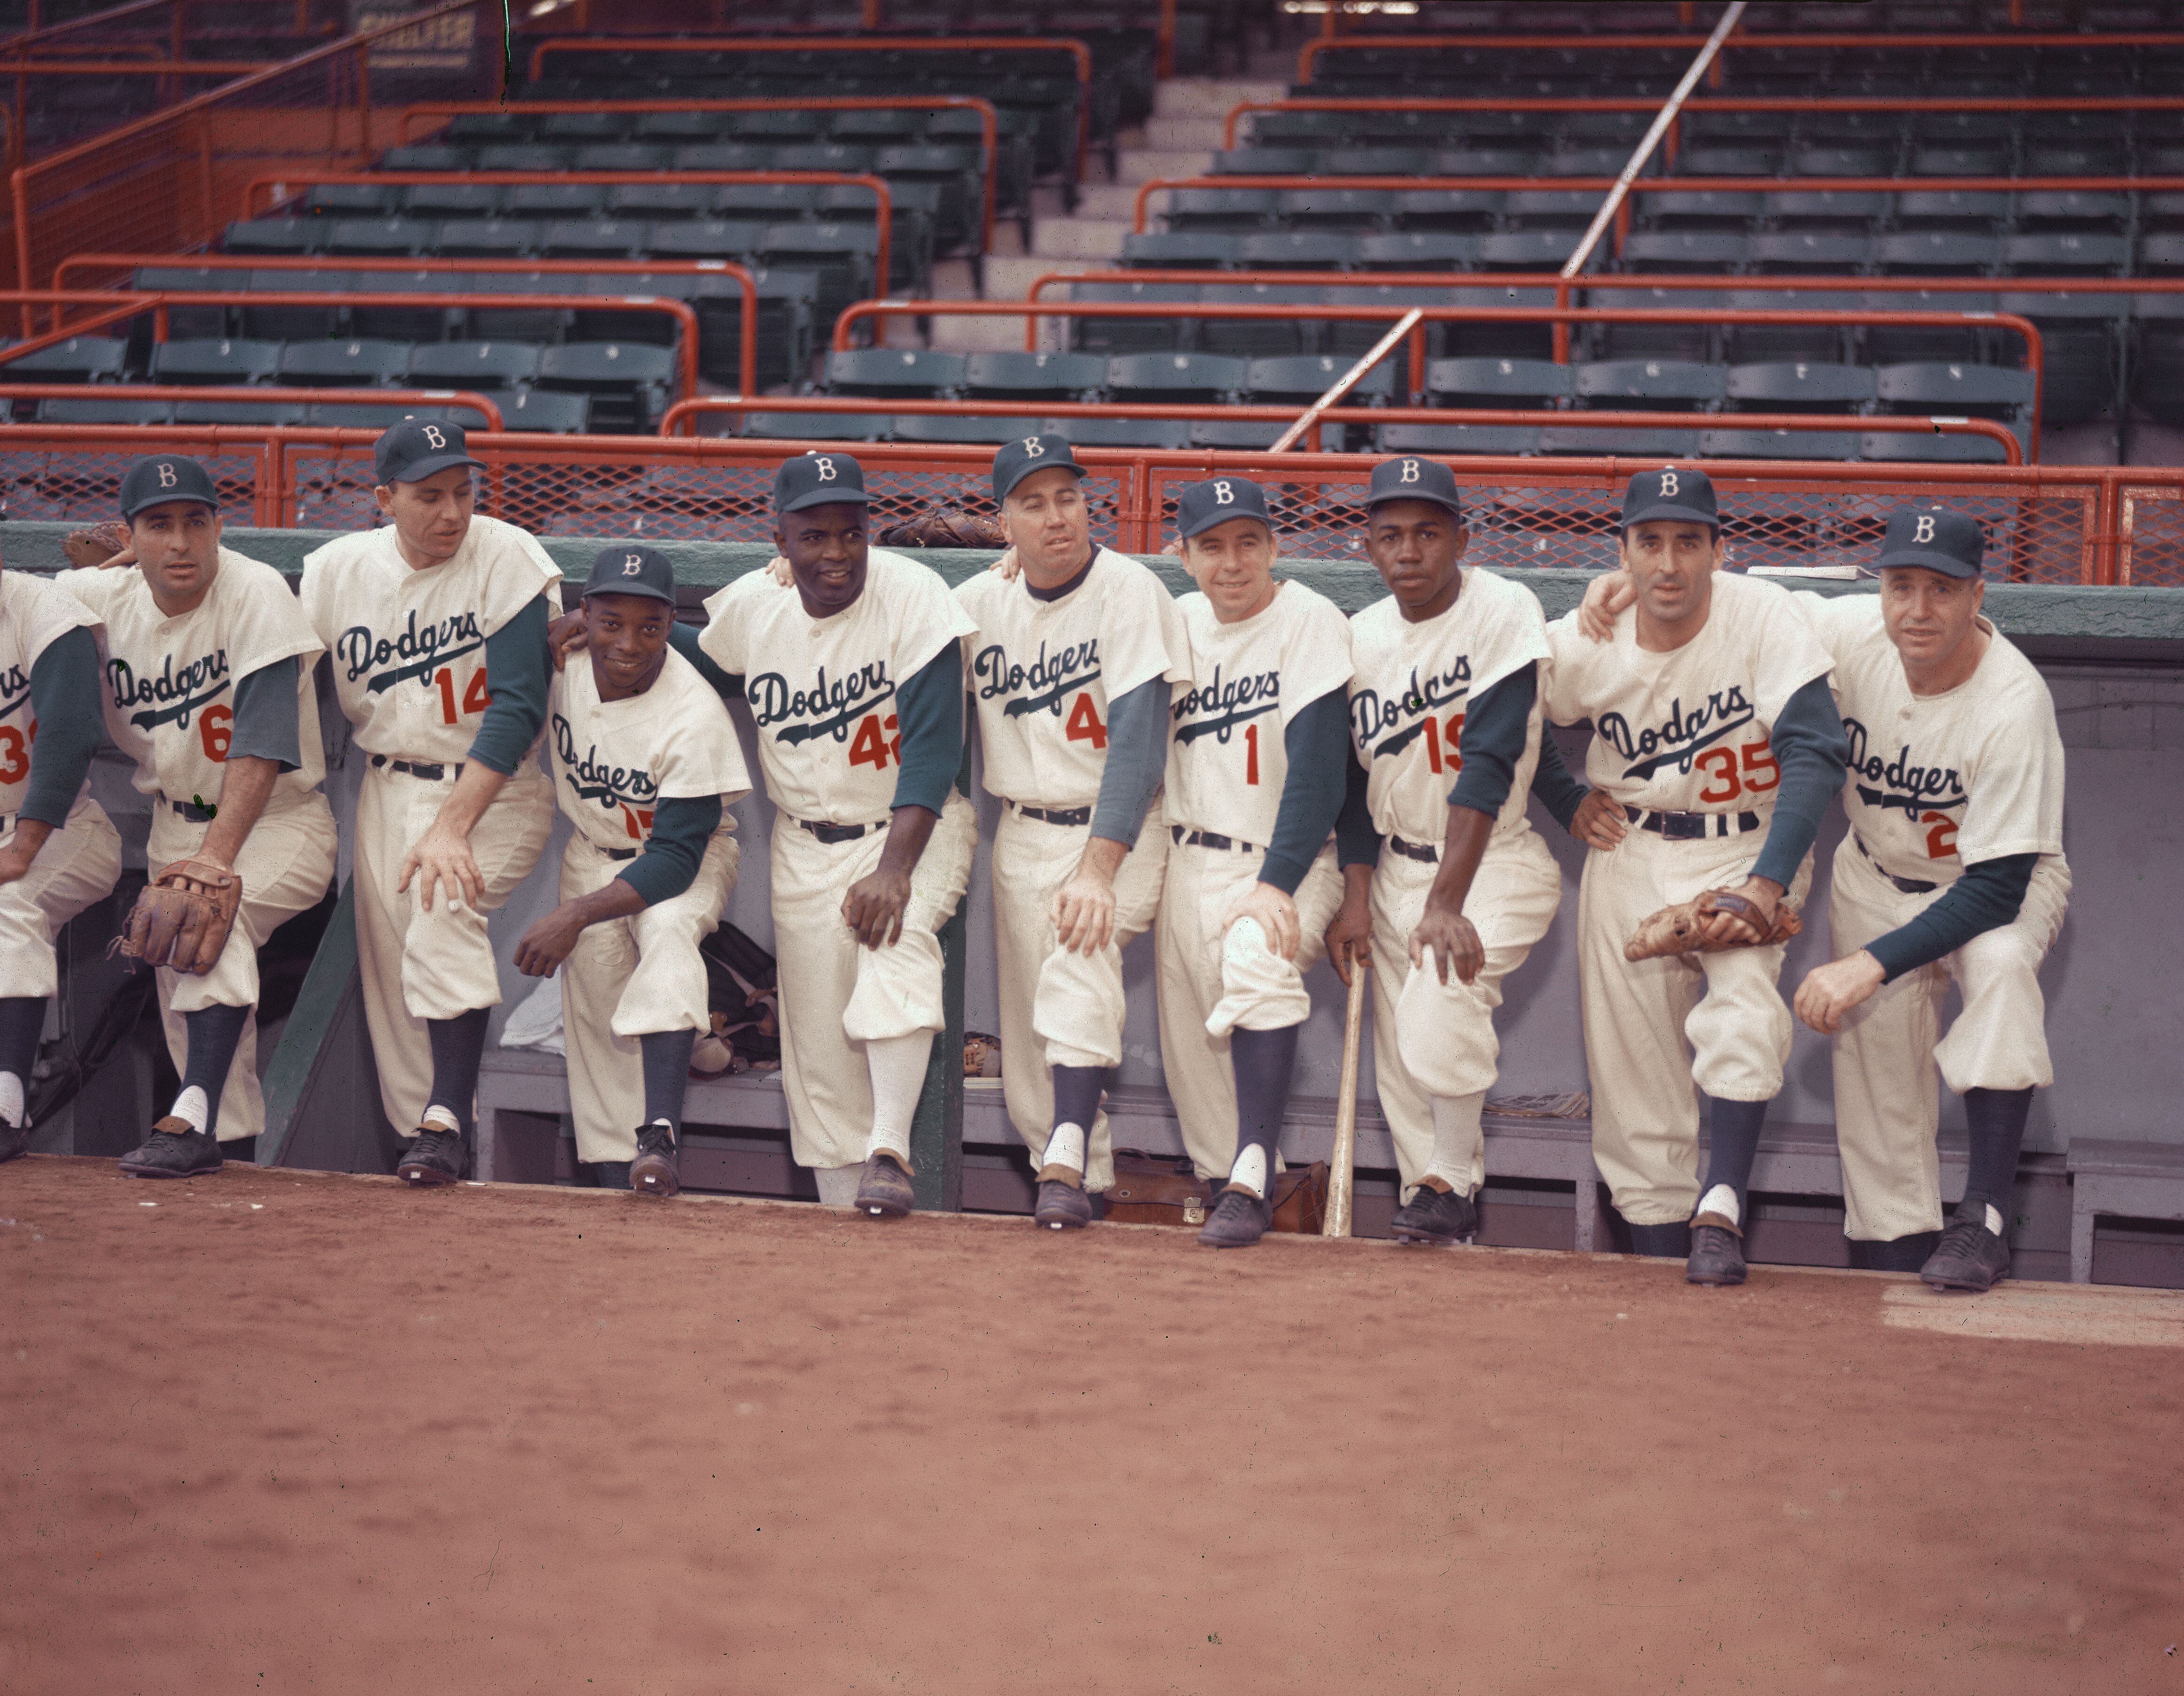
[1831, 991]
[1605, 598]
[1083, 912]
[1454, 941]
[1599, 821]
[1277, 916]
[549, 941]
[1349, 932]
[874, 906]
[443, 861]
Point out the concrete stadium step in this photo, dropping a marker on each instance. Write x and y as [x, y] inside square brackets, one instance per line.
[1079, 238]
[1178, 133]
[1011, 279]
[1209, 96]
[1142, 164]
[1108, 200]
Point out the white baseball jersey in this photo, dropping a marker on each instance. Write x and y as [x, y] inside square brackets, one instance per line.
[168, 692]
[33, 615]
[1227, 760]
[409, 646]
[1410, 690]
[614, 759]
[1687, 731]
[1042, 672]
[1937, 783]
[821, 690]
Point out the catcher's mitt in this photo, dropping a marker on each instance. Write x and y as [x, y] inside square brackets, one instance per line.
[94, 546]
[183, 918]
[943, 526]
[1679, 929]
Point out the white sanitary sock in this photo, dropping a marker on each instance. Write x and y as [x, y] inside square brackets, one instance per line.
[1066, 1147]
[1456, 1134]
[1722, 1199]
[441, 1119]
[898, 1066]
[838, 1184]
[191, 1105]
[1250, 1171]
[1993, 1219]
[11, 1100]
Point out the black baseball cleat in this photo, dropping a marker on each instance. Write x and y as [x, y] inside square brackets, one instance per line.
[1970, 1256]
[1239, 1219]
[1717, 1252]
[885, 1190]
[173, 1150]
[653, 1172]
[1061, 1206]
[1441, 1217]
[433, 1156]
[15, 1139]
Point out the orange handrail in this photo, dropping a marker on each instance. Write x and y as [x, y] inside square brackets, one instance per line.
[484, 404]
[1068, 44]
[884, 210]
[746, 327]
[989, 118]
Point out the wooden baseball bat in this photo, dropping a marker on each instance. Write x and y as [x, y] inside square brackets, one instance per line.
[1344, 1160]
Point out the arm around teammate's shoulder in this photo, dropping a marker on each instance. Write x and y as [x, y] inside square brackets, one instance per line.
[1809, 744]
[65, 706]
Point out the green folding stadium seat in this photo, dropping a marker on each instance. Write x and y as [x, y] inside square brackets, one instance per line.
[1181, 250]
[538, 409]
[2066, 254]
[188, 321]
[1034, 377]
[819, 426]
[429, 156]
[1169, 434]
[1095, 335]
[288, 237]
[1810, 253]
[476, 129]
[208, 362]
[2084, 211]
[280, 414]
[398, 323]
[1501, 441]
[707, 238]
[589, 128]
[628, 382]
[622, 156]
[490, 239]
[1649, 384]
[525, 156]
[650, 201]
[91, 409]
[1268, 162]
[1302, 379]
[1824, 211]
[1710, 161]
[1728, 211]
[549, 200]
[329, 363]
[1840, 161]
[291, 323]
[518, 323]
[596, 238]
[841, 256]
[1531, 250]
[1417, 250]
[1253, 435]
[382, 237]
[1799, 386]
[1175, 378]
[1351, 211]
[781, 126]
[473, 365]
[1233, 211]
[352, 200]
[2084, 337]
[894, 373]
[1908, 344]
[1922, 447]
[1937, 253]
[722, 156]
[1461, 211]
[882, 129]
[1628, 443]
[1499, 383]
[381, 415]
[949, 428]
[1686, 252]
[1295, 250]
[1936, 387]
[680, 128]
[1981, 211]
[1777, 444]
[771, 203]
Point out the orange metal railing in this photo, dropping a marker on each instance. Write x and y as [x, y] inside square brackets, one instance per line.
[484, 404]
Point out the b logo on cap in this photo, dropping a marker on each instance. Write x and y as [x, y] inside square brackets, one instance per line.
[825, 467]
[1032, 449]
[1669, 483]
[1410, 472]
[631, 564]
[167, 478]
[433, 436]
[1223, 494]
[1924, 530]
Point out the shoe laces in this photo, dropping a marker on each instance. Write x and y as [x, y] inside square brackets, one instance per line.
[1963, 1237]
[655, 1139]
[1235, 1201]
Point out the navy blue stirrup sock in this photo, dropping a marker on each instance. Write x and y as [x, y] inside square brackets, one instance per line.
[1263, 1060]
[1732, 1143]
[213, 1033]
[457, 1047]
[666, 1060]
[1995, 1119]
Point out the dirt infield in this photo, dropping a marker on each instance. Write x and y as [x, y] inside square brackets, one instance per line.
[287, 1432]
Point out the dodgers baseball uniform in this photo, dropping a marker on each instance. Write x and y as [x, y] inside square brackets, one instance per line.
[1226, 764]
[613, 761]
[168, 702]
[1682, 732]
[822, 693]
[1040, 675]
[409, 672]
[1408, 702]
[1937, 783]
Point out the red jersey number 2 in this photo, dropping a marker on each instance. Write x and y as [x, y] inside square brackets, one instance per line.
[476, 698]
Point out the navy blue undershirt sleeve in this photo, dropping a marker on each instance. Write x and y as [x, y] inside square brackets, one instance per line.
[1987, 896]
[517, 672]
[680, 827]
[64, 702]
[1318, 746]
[1137, 759]
[1811, 748]
[1558, 792]
[929, 715]
[267, 719]
[1492, 741]
[683, 639]
[1356, 843]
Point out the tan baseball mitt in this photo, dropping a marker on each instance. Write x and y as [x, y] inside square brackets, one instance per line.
[94, 546]
[943, 526]
[1681, 929]
[183, 918]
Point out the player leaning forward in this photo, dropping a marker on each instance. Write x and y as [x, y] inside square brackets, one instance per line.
[854, 671]
[1069, 676]
[437, 621]
[1444, 718]
[1260, 745]
[208, 662]
[1716, 749]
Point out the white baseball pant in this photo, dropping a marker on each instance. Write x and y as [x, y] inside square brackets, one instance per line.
[286, 864]
[837, 995]
[1058, 1007]
[1886, 1057]
[417, 964]
[1650, 1034]
[1434, 1040]
[628, 978]
[79, 864]
[1215, 977]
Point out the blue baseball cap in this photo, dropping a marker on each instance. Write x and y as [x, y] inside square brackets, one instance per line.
[1019, 459]
[1216, 501]
[419, 448]
[818, 480]
[1934, 539]
[632, 570]
[1672, 492]
[1414, 478]
[158, 478]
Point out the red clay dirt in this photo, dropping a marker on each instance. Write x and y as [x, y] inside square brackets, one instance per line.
[292, 1433]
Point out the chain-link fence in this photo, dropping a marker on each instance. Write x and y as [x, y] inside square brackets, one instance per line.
[2150, 544]
[78, 481]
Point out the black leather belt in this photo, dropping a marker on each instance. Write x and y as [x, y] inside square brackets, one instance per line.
[1690, 827]
[189, 809]
[1910, 886]
[414, 768]
[622, 853]
[1206, 839]
[1053, 815]
[836, 832]
[1416, 851]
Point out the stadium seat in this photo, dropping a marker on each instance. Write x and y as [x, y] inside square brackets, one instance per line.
[1269, 162]
[1231, 209]
[1253, 435]
[1974, 161]
[473, 365]
[332, 364]
[518, 323]
[1302, 379]
[92, 410]
[651, 201]
[1417, 250]
[1810, 253]
[1534, 250]
[1778, 444]
[476, 129]
[1830, 161]
[838, 156]
[583, 127]
[1935, 448]
[1688, 252]
[1594, 162]
[1726, 210]
[2068, 254]
[892, 373]
[208, 362]
[369, 415]
[549, 200]
[1499, 383]
[1350, 211]
[288, 238]
[1643, 340]
[281, 414]
[352, 200]
[934, 428]
[1034, 377]
[721, 156]
[2084, 337]
[430, 157]
[384, 239]
[1569, 210]
[1796, 386]
[1506, 441]
[1175, 377]
[1487, 338]
[533, 156]
[1171, 434]
[538, 409]
[841, 256]
[880, 128]
[406, 323]
[629, 156]
[1375, 162]
[455, 198]
[597, 238]
[628, 382]
[1886, 344]
[1967, 390]
[1650, 385]
[1835, 211]
[1462, 211]
[818, 427]
[1651, 444]
[2086, 211]
[489, 238]
[1980, 211]
[707, 238]
[1143, 334]
[1729, 161]
[1258, 338]
[772, 202]
[1181, 250]
[1937, 253]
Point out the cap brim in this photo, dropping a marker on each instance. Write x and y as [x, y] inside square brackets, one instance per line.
[643, 591]
[1669, 512]
[1440, 500]
[434, 466]
[1928, 560]
[1216, 519]
[1050, 463]
[826, 497]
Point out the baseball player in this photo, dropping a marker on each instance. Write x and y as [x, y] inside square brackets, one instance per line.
[58, 851]
[1256, 768]
[1953, 868]
[207, 662]
[1069, 676]
[644, 763]
[1716, 747]
[854, 671]
[437, 621]
[1445, 721]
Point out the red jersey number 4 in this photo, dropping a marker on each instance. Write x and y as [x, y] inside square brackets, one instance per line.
[871, 746]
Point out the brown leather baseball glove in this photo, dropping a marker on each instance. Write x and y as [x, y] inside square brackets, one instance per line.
[183, 918]
[97, 545]
[1681, 930]
[943, 526]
